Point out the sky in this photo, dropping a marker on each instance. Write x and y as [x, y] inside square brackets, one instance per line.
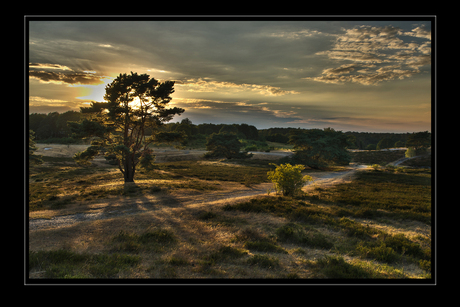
[369, 76]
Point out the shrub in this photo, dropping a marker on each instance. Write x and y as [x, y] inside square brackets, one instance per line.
[224, 145]
[371, 147]
[380, 252]
[410, 152]
[288, 179]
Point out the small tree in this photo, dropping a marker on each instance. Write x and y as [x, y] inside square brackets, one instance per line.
[384, 143]
[33, 159]
[318, 148]
[134, 104]
[410, 152]
[288, 179]
[224, 145]
[419, 142]
[371, 147]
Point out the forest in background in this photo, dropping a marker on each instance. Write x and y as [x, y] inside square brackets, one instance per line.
[53, 128]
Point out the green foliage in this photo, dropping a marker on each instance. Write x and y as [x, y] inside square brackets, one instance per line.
[146, 160]
[135, 103]
[419, 141]
[33, 159]
[380, 252]
[229, 129]
[410, 152]
[250, 145]
[319, 148]
[371, 147]
[224, 145]
[52, 125]
[385, 143]
[288, 179]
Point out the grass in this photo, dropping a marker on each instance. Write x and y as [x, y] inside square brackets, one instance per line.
[383, 195]
[203, 171]
[336, 267]
[147, 241]
[57, 185]
[376, 157]
[264, 261]
[376, 196]
[376, 226]
[69, 265]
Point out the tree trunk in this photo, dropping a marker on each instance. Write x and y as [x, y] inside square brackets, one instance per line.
[129, 176]
[129, 170]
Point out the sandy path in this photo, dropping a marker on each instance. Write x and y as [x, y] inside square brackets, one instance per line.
[397, 162]
[322, 179]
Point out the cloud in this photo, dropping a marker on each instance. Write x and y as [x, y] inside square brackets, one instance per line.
[38, 104]
[202, 85]
[295, 34]
[377, 54]
[340, 70]
[235, 107]
[59, 74]
[421, 32]
[364, 77]
[48, 66]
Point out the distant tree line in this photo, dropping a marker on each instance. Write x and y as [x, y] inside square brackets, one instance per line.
[243, 131]
[53, 128]
[358, 140]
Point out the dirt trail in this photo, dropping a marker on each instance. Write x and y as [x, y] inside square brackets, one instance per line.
[397, 162]
[322, 179]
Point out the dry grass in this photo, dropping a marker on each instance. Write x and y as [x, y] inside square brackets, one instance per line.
[206, 241]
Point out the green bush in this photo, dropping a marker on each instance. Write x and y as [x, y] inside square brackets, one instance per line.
[224, 145]
[371, 147]
[410, 152]
[288, 179]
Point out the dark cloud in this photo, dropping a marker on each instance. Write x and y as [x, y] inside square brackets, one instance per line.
[378, 54]
[61, 77]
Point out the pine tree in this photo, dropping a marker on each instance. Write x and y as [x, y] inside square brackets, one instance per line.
[33, 158]
[134, 103]
[318, 148]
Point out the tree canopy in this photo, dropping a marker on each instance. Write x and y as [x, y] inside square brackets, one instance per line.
[133, 103]
[224, 145]
[318, 148]
[419, 140]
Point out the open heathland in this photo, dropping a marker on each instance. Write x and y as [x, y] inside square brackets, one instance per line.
[222, 219]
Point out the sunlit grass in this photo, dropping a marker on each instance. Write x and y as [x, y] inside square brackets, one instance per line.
[360, 229]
